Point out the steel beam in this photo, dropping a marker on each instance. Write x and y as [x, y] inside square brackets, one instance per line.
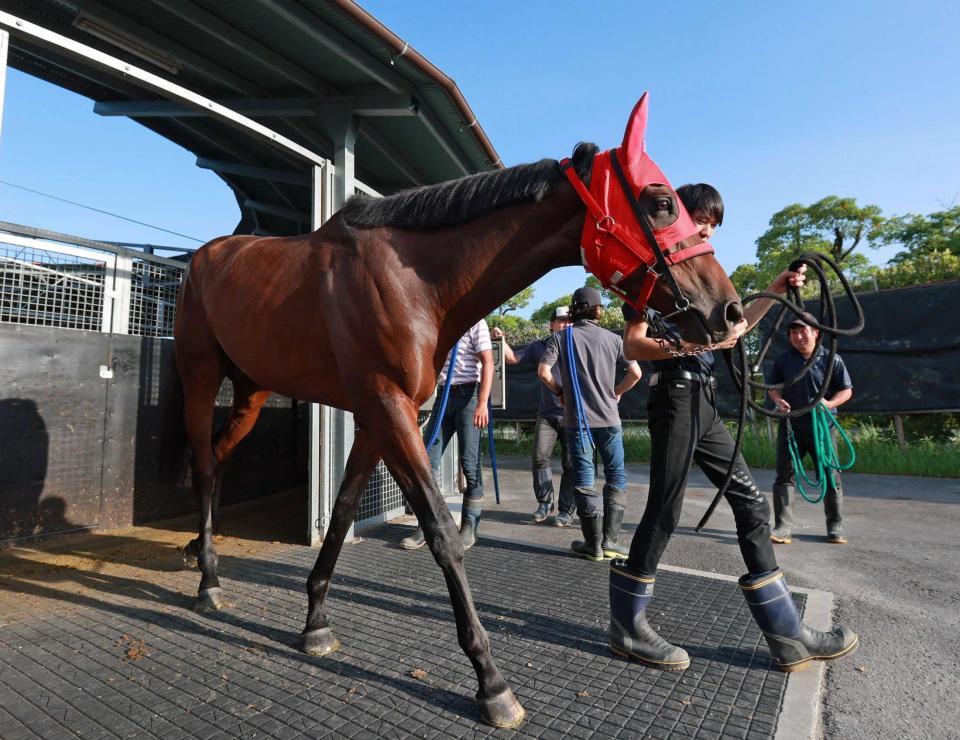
[373, 106]
[242, 45]
[256, 173]
[314, 27]
[4, 46]
[150, 81]
[260, 206]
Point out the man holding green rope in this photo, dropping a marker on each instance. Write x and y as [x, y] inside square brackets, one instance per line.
[803, 340]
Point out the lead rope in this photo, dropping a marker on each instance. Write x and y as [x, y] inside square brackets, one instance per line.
[443, 396]
[826, 324]
[493, 449]
[825, 453]
[583, 429]
[443, 408]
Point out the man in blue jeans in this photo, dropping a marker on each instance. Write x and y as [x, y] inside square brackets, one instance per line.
[548, 429]
[590, 393]
[465, 415]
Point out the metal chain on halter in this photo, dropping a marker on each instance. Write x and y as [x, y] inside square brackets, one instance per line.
[826, 324]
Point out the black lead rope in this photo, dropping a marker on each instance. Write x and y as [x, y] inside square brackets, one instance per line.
[827, 325]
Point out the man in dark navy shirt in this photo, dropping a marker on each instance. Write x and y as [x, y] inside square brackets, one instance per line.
[547, 430]
[803, 340]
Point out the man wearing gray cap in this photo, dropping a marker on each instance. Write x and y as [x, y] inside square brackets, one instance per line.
[803, 334]
[589, 356]
[547, 430]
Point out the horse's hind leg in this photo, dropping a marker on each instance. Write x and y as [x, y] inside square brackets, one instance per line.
[318, 638]
[248, 399]
[405, 456]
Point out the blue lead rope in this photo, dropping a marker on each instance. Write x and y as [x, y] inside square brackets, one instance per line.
[443, 409]
[443, 396]
[583, 429]
[493, 449]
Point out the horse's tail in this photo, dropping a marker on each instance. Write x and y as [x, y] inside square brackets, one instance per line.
[173, 431]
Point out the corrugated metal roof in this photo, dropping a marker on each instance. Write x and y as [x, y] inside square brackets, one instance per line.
[313, 53]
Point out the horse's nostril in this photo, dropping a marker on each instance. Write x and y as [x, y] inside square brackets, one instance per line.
[734, 312]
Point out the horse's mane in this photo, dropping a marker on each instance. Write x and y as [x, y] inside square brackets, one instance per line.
[459, 201]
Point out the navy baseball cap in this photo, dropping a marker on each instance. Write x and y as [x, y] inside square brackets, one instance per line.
[804, 319]
[587, 295]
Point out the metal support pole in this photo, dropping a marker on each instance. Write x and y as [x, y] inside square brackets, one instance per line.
[331, 430]
[319, 500]
[898, 425]
[4, 45]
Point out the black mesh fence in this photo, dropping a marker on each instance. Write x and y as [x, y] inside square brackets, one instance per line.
[906, 359]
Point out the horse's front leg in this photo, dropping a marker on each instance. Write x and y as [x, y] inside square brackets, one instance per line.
[318, 638]
[405, 456]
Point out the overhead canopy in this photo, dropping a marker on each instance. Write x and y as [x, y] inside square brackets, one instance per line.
[314, 71]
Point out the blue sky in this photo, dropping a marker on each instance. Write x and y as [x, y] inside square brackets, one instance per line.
[773, 103]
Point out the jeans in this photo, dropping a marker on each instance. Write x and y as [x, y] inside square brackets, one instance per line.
[458, 418]
[547, 431]
[609, 443]
[685, 427]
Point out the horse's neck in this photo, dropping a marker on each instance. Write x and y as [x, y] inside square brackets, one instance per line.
[498, 255]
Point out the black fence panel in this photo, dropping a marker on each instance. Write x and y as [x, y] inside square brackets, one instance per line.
[51, 429]
[906, 359]
[80, 421]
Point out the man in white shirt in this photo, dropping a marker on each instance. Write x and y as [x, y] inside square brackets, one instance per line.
[466, 415]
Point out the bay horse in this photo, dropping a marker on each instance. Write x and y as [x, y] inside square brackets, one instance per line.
[360, 315]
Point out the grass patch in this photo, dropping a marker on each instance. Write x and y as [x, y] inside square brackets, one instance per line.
[876, 452]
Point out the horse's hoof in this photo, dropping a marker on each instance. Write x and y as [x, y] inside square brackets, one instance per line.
[320, 642]
[210, 600]
[502, 710]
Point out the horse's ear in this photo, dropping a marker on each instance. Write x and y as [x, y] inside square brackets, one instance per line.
[636, 129]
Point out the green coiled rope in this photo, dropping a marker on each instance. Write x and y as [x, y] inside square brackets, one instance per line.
[825, 453]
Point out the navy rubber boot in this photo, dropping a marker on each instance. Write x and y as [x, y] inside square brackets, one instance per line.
[630, 634]
[792, 643]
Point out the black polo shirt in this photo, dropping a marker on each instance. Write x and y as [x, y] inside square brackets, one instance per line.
[798, 394]
[549, 405]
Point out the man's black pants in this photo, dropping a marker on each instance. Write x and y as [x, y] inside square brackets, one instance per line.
[685, 426]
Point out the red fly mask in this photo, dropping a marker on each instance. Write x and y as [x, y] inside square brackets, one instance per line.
[630, 240]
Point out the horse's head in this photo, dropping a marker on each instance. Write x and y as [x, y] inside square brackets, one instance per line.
[639, 240]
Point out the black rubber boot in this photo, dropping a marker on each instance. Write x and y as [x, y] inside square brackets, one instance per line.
[612, 521]
[589, 547]
[792, 643]
[470, 523]
[783, 514]
[630, 634]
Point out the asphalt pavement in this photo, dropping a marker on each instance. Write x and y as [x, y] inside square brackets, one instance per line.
[895, 583]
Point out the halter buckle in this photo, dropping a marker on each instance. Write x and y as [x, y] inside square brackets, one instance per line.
[602, 224]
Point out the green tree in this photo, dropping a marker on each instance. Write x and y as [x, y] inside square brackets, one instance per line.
[520, 300]
[542, 315]
[917, 269]
[517, 329]
[936, 232]
[835, 226]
